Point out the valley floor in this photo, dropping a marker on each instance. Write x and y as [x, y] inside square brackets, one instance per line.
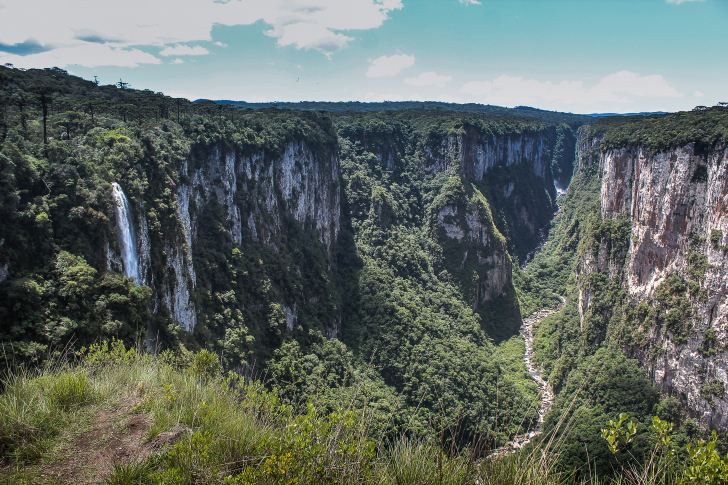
[547, 394]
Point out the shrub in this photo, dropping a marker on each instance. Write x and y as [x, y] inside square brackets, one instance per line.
[205, 365]
[715, 236]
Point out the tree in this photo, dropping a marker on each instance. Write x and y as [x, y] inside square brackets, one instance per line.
[21, 101]
[44, 96]
[70, 122]
[90, 110]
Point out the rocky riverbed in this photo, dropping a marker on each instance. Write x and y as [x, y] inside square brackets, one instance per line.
[547, 394]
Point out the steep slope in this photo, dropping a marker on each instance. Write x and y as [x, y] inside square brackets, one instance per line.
[404, 167]
[675, 262]
[638, 250]
[268, 235]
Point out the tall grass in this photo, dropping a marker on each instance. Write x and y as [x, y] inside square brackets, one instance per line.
[36, 405]
[225, 431]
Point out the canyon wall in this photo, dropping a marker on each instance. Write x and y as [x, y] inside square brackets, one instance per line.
[505, 192]
[258, 194]
[674, 263]
[517, 173]
[507, 195]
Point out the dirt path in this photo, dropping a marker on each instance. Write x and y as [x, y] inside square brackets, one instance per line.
[547, 395]
[114, 434]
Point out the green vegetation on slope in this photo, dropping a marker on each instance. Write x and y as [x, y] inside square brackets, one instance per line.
[583, 355]
[414, 344]
[412, 320]
[472, 108]
[705, 127]
[124, 417]
[58, 220]
[417, 245]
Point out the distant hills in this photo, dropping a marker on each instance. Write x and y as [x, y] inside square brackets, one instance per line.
[642, 113]
[359, 107]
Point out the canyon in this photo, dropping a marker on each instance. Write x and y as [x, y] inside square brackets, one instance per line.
[414, 256]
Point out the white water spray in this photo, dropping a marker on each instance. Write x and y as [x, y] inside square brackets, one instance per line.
[127, 237]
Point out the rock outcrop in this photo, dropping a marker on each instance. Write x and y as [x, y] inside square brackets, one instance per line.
[675, 202]
[474, 153]
[514, 170]
[258, 194]
[518, 170]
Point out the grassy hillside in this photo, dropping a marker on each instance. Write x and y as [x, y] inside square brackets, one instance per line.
[117, 416]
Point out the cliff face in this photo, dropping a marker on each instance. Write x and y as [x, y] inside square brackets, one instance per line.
[473, 245]
[498, 191]
[516, 171]
[474, 154]
[258, 195]
[674, 262]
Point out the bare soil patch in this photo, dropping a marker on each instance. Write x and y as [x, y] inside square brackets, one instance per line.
[115, 435]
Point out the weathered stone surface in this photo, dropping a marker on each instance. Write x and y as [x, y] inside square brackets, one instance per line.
[672, 198]
[297, 184]
[475, 154]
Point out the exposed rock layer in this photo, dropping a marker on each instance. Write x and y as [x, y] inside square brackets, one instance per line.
[258, 194]
[676, 201]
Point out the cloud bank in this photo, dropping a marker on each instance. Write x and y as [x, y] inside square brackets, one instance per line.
[389, 66]
[34, 32]
[621, 87]
[184, 50]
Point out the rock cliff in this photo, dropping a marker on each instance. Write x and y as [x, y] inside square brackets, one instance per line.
[258, 194]
[515, 170]
[504, 194]
[673, 264]
[474, 153]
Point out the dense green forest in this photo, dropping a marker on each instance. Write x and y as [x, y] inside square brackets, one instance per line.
[471, 108]
[396, 317]
[407, 317]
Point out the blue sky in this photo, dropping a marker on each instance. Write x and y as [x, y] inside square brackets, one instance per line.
[581, 56]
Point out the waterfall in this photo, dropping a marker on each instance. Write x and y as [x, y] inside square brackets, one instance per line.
[127, 238]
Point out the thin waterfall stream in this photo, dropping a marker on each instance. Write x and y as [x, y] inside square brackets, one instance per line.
[127, 235]
[547, 394]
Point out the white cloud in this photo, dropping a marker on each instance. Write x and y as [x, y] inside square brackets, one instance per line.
[72, 25]
[699, 94]
[87, 55]
[621, 87]
[218, 43]
[428, 79]
[470, 2]
[184, 50]
[678, 2]
[178, 61]
[389, 66]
